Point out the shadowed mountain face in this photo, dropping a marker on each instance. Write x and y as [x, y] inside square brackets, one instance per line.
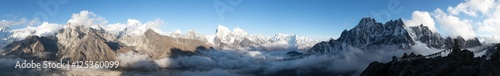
[369, 34]
[78, 43]
[159, 46]
[457, 63]
[34, 47]
[425, 35]
[91, 47]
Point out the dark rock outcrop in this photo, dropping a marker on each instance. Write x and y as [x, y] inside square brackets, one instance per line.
[459, 63]
[369, 33]
[425, 35]
[293, 53]
[463, 43]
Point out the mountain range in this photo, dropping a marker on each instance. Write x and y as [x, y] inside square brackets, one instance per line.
[78, 43]
[240, 39]
[369, 34]
[148, 49]
[89, 43]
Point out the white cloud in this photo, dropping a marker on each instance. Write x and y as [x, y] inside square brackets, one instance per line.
[132, 27]
[45, 29]
[115, 28]
[34, 22]
[133, 22]
[7, 23]
[177, 31]
[421, 17]
[48, 29]
[86, 18]
[135, 27]
[454, 25]
[491, 26]
[486, 25]
[470, 7]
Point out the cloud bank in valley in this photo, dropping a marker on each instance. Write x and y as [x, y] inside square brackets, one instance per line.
[245, 62]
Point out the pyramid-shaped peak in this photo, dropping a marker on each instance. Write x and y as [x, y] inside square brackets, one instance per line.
[150, 31]
[222, 29]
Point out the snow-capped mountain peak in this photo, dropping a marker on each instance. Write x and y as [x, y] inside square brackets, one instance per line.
[239, 38]
[4, 29]
[283, 38]
[5, 34]
[222, 31]
[226, 36]
[239, 32]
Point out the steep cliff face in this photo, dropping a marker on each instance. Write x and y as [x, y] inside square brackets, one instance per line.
[425, 35]
[463, 43]
[162, 46]
[159, 46]
[91, 47]
[369, 34]
[5, 34]
[34, 47]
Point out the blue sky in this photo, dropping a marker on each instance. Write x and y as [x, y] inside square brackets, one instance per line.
[317, 19]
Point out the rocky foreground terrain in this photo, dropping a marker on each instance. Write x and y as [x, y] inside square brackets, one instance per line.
[457, 63]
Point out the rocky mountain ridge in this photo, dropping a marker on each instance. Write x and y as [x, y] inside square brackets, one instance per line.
[238, 38]
[78, 43]
[369, 34]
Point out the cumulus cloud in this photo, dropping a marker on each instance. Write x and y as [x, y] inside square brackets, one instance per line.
[45, 29]
[134, 27]
[177, 31]
[454, 25]
[131, 27]
[471, 7]
[87, 19]
[421, 17]
[491, 26]
[34, 21]
[485, 16]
